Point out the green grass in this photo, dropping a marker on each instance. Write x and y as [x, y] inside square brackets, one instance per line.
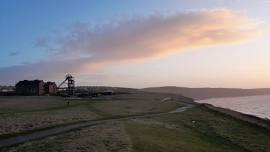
[21, 104]
[134, 104]
[198, 129]
[50, 144]
[151, 138]
[195, 130]
[27, 113]
[214, 125]
[92, 107]
[95, 138]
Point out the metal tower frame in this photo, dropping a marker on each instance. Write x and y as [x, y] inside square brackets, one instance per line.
[70, 84]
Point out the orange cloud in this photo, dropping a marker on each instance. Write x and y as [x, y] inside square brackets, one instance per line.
[161, 35]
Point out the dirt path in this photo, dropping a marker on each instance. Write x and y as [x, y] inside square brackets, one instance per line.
[57, 130]
[182, 109]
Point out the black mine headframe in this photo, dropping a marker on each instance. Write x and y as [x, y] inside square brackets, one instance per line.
[70, 84]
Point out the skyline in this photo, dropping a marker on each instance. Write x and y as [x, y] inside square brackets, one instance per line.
[137, 44]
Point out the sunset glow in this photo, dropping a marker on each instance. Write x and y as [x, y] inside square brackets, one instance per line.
[213, 44]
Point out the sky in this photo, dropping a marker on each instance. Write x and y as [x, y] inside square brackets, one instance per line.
[137, 43]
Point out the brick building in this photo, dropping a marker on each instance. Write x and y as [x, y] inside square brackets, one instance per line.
[50, 88]
[35, 88]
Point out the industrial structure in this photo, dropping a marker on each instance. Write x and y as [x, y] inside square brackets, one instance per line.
[65, 89]
[70, 89]
[50, 88]
[39, 87]
[35, 88]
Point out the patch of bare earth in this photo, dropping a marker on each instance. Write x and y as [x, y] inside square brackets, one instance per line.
[108, 137]
[34, 120]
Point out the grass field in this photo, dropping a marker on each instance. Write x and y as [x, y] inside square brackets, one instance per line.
[27, 113]
[19, 114]
[16, 104]
[135, 103]
[110, 136]
[196, 130]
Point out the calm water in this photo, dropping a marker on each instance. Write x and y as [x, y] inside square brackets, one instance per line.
[254, 105]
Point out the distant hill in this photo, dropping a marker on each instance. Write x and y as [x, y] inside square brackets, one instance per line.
[106, 88]
[203, 93]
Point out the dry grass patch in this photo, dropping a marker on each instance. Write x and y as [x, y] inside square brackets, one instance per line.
[108, 137]
[19, 122]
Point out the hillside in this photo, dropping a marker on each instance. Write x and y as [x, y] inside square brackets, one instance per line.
[203, 93]
[132, 122]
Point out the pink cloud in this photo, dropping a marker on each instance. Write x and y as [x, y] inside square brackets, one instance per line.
[139, 38]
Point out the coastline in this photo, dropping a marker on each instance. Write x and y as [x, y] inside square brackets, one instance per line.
[261, 122]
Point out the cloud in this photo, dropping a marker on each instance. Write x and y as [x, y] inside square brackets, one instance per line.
[145, 37]
[267, 1]
[139, 38]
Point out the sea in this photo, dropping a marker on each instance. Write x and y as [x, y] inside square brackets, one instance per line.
[253, 105]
